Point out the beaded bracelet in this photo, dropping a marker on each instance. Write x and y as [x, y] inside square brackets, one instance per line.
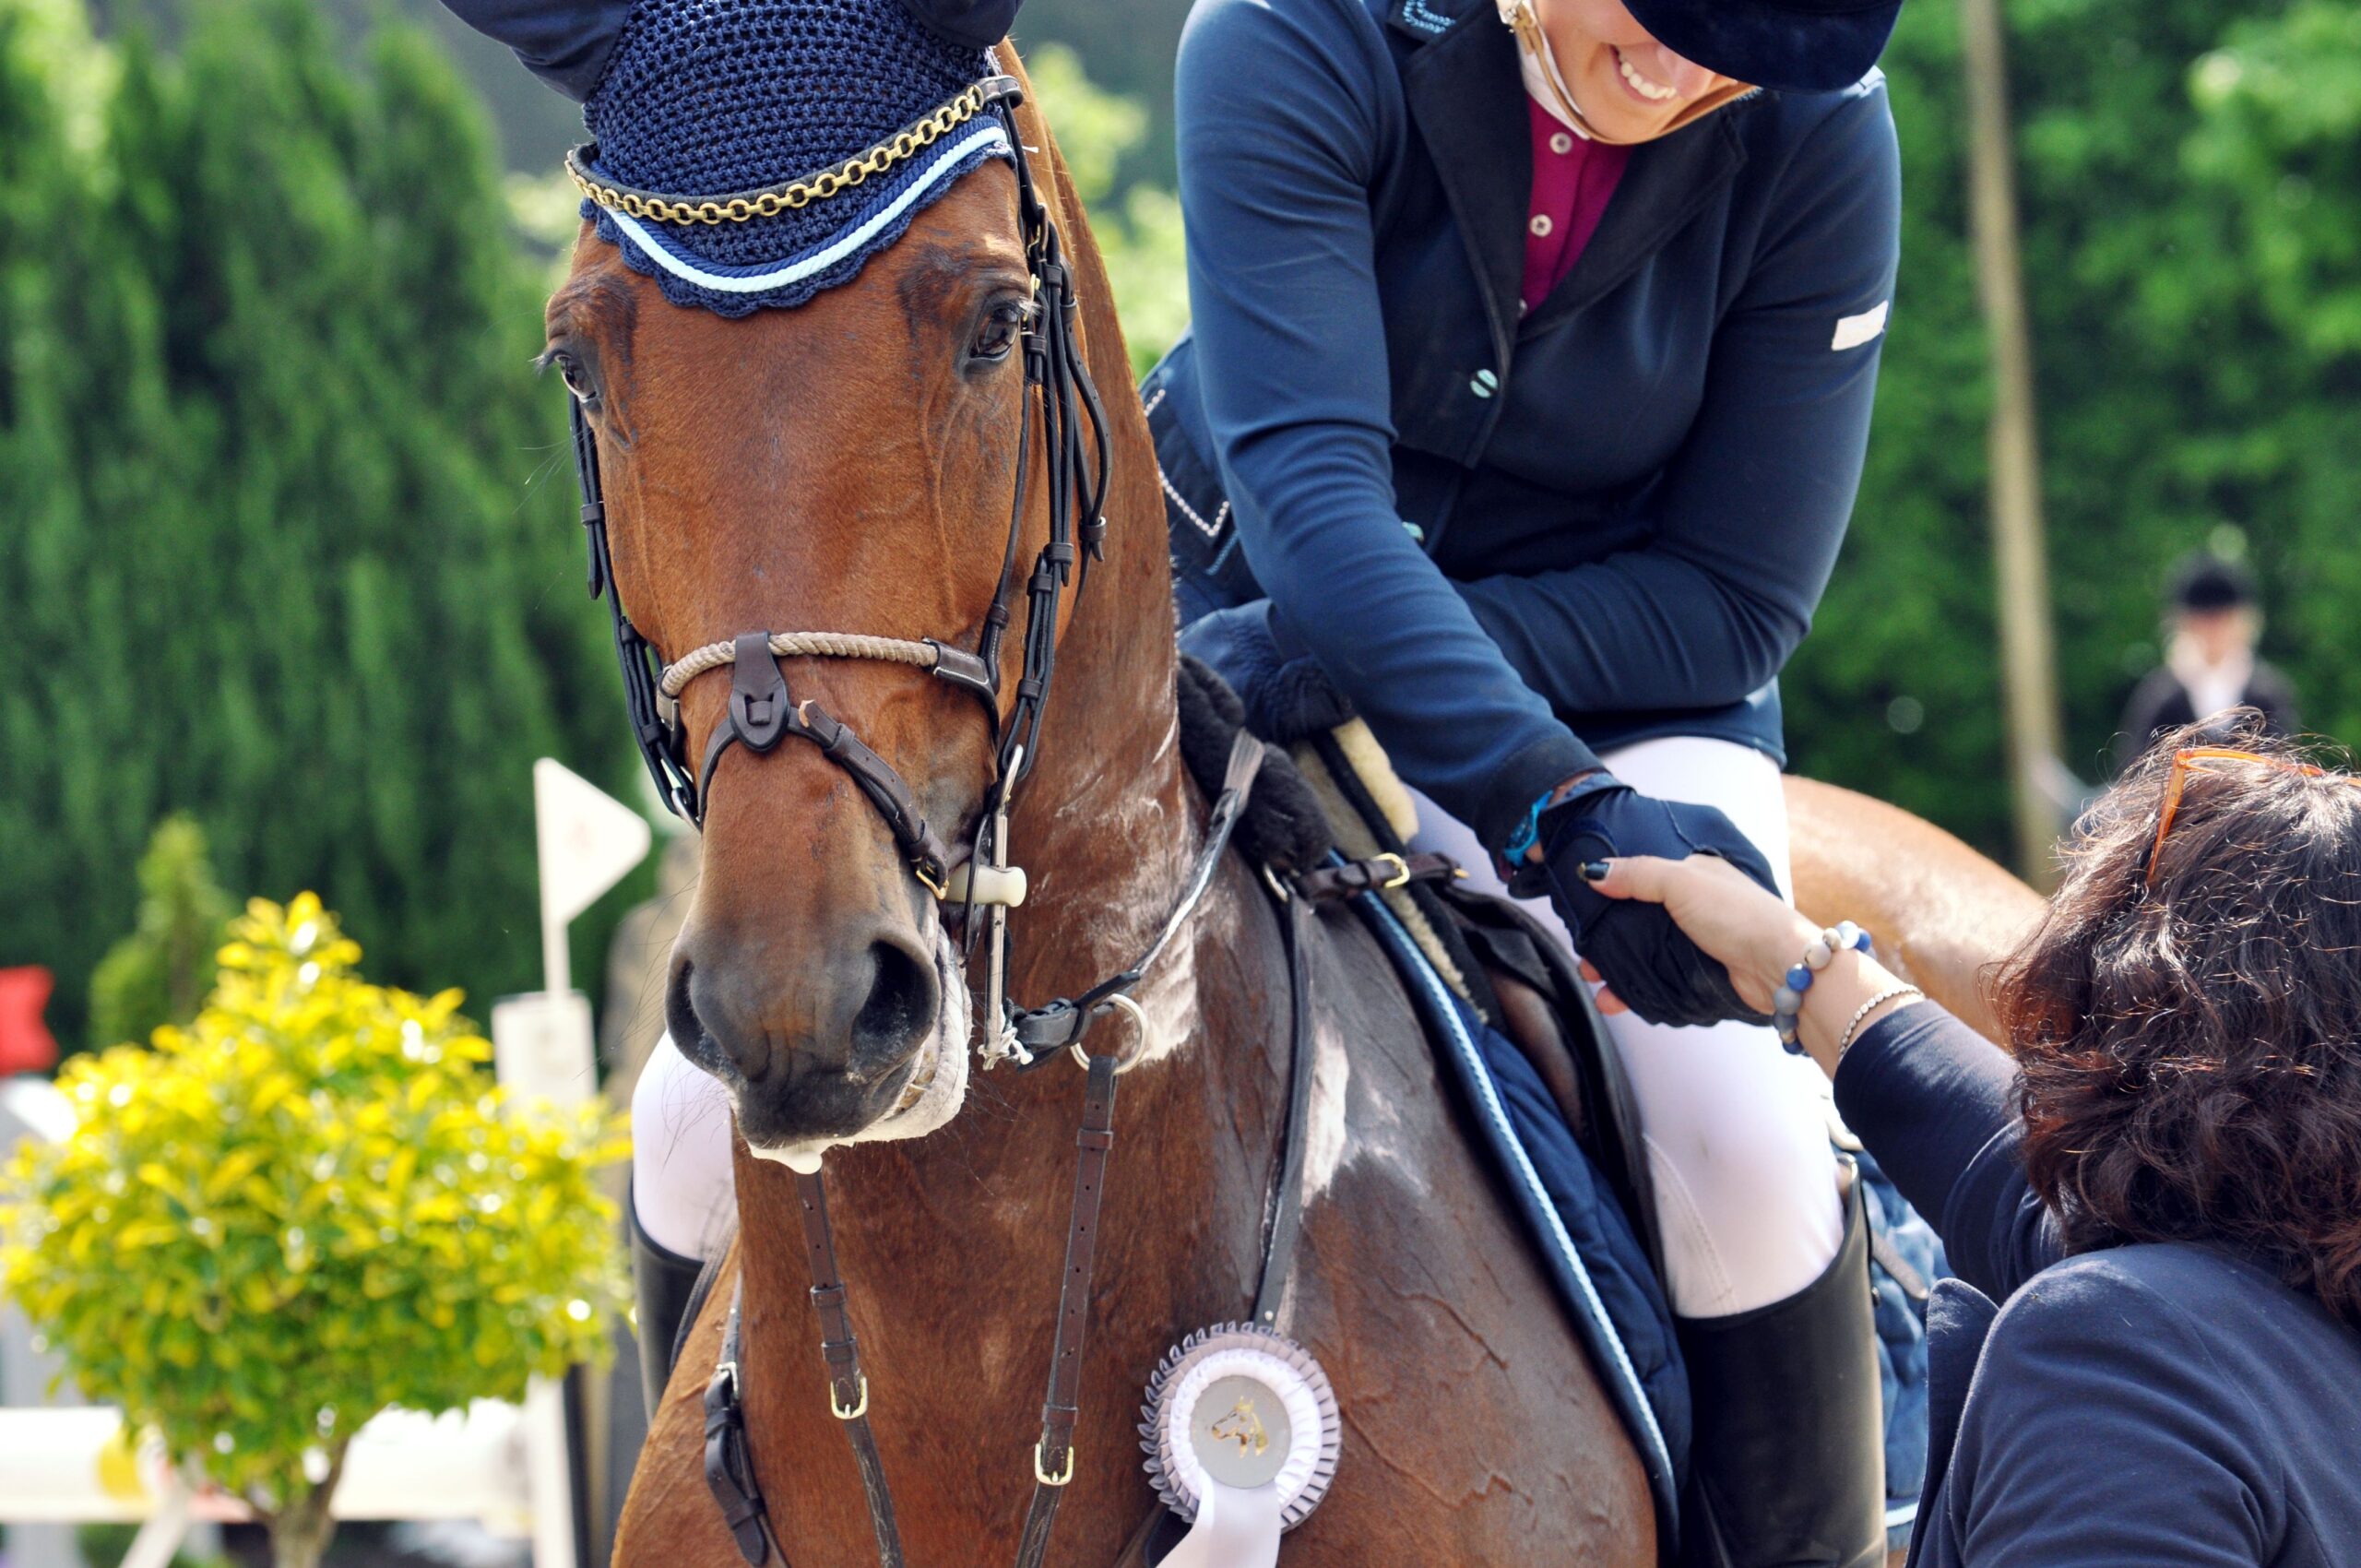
[1787, 1002]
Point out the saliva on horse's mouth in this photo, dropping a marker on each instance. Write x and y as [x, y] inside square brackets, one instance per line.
[936, 1086]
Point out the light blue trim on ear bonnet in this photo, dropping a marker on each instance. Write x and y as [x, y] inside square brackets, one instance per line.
[711, 97]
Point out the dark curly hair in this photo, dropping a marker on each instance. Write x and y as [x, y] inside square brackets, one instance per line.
[2191, 1053]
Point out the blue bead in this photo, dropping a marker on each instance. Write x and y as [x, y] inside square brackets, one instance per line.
[1787, 1001]
[1799, 977]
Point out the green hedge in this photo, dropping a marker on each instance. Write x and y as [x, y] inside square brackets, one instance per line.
[289, 540]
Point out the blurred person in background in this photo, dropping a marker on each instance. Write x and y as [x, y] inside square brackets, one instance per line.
[2213, 619]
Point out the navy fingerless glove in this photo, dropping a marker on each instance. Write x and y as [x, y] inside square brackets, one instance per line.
[1644, 956]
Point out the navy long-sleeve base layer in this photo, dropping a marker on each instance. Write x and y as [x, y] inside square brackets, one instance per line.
[2162, 1406]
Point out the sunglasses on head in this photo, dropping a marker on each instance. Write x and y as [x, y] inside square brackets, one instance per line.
[2217, 759]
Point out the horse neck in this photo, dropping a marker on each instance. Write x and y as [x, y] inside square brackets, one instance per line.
[1106, 826]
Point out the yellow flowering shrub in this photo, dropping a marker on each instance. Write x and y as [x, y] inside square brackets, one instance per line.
[310, 1205]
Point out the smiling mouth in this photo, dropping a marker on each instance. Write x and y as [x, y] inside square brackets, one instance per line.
[1646, 89]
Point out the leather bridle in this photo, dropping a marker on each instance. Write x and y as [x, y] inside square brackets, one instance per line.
[762, 713]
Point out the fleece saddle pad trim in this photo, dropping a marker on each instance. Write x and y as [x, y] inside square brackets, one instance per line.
[1654, 1402]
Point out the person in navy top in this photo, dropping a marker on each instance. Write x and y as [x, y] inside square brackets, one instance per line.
[1520, 414]
[2153, 1351]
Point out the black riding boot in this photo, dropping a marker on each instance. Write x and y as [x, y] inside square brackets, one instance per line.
[1787, 1467]
[666, 1283]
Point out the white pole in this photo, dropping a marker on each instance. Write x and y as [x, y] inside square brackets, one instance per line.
[557, 976]
[165, 1530]
[549, 1476]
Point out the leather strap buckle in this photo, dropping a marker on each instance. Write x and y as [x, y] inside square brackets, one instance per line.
[759, 704]
[1043, 1475]
[836, 1406]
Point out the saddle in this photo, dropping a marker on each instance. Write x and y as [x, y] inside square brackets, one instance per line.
[1331, 788]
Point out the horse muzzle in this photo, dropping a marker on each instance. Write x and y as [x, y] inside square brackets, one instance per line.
[874, 1047]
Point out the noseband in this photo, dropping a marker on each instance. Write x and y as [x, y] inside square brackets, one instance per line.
[762, 712]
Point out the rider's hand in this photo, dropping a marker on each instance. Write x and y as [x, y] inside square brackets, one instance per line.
[1655, 967]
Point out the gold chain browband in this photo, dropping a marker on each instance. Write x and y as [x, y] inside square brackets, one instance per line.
[772, 200]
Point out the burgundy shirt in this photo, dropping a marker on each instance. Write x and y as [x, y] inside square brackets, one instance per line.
[1572, 178]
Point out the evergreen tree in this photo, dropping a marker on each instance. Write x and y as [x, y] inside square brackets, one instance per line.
[160, 972]
[297, 555]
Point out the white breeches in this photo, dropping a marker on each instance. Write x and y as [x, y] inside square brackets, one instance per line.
[682, 1184]
[1737, 1130]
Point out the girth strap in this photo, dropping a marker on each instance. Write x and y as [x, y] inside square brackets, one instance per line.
[1053, 1453]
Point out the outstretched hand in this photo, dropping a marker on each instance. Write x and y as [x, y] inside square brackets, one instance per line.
[1658, 969]
[1726, 912]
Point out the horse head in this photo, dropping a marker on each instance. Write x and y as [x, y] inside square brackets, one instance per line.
[900, 455]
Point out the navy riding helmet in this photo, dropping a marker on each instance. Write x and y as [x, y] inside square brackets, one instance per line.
[1789, 45]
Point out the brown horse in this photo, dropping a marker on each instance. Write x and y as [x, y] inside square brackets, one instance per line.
[1943, 913]
[847, 465]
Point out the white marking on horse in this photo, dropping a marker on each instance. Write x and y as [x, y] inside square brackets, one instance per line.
[1332, 1075]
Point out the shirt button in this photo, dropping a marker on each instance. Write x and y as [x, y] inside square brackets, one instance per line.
[1541, 225]
[1484, 384]
[1562, 142]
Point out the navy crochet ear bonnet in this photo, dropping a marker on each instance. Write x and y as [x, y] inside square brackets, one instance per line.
[708, 98]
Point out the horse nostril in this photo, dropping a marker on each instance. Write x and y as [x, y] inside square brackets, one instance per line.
[680, 1020]
[899, 1011]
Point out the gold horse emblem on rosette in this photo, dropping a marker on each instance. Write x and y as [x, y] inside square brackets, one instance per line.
[1243, 1427]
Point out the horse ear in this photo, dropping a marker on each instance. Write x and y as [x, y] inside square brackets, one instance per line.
[564, 43]
[971, 24]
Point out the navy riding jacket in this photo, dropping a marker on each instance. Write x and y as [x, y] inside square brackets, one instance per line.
[1497, 532]
[2174, 1405]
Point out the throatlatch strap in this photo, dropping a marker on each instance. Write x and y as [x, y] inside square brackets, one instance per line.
[1054, 1454]
[847, 1389]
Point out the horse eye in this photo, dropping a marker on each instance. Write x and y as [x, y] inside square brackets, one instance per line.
[577, 379]
[997, 335]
